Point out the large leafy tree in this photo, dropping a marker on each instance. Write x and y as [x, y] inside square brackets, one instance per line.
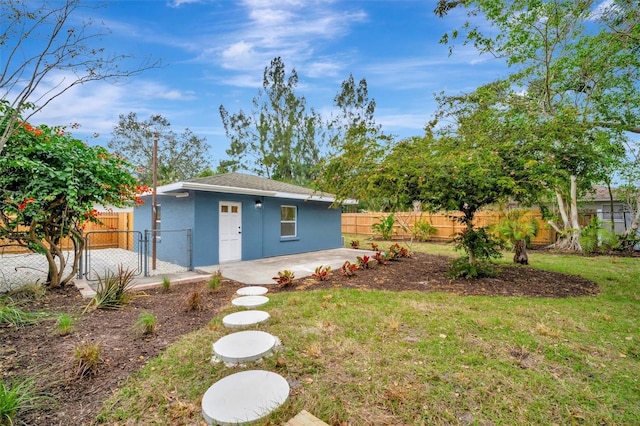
[49, 185]
[180, 156]
[279, 139]
[481, 157]
[578, 67]
[45, 39]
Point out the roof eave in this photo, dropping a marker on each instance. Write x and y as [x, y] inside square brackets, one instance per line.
[183, 186]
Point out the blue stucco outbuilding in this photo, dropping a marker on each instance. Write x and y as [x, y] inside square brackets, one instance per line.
[235, 217]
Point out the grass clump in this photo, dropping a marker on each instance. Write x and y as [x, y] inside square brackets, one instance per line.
[15, 398]
[64, 324]
[114, 290]
[13, 316]
[146, 323]
[87, 358]
[166, 284]
[194, 302]
[215, 281]
[33, 291]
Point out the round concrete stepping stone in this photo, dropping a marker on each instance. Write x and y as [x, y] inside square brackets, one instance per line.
[244, 346]
[250, 301]
[245, 318]
[252, 291]
[244, 397]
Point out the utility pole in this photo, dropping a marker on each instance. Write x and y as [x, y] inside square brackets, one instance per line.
[154, 202]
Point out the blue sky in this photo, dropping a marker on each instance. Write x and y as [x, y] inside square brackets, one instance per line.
[215, 51]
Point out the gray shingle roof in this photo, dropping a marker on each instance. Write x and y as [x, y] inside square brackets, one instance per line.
[601, 193]
[240, 180]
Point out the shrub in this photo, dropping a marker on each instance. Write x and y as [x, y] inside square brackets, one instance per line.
[423, 230]
[462, 268]
[194, 302]
[114, 290]
[396, 252]
[146, 323]
[64, 324]
[322, 273]
[374, 246]
[19, 396]
[385, 226]
[285, 278]
[87, 358]
[380, 258]
[627, 243]
[348, 269]
[215, 281]
[594, 238]
[355, 244]
[364, 262]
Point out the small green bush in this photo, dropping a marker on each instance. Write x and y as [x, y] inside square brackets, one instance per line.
[64, 324]
[166, 284]
[215, 281]
[146, 323]
[423, 230]
[461, 268]
[594, 238]
[385, 226]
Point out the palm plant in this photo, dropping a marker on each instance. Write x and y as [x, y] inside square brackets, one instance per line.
[516, 229]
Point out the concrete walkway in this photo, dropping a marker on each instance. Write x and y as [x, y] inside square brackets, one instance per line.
[262, 271]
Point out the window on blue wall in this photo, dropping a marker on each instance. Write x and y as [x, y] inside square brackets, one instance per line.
[288, 218]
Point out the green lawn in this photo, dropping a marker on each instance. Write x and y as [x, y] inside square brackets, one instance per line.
[370, 357]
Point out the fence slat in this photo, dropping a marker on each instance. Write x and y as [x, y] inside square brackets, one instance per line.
[122, 221]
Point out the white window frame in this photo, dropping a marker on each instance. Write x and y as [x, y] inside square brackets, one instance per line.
[294, 221]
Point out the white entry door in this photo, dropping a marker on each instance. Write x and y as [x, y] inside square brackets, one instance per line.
[230, 231]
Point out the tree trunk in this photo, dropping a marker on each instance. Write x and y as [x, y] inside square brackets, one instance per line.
[635, 222]
[521, 253]
[569, 239]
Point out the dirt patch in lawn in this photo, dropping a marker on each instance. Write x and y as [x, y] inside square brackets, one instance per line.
[36, 351]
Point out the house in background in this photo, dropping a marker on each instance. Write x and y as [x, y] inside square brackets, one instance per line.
[234, 216]
[598, 202]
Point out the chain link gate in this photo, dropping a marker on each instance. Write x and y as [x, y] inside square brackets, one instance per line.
[106, 251]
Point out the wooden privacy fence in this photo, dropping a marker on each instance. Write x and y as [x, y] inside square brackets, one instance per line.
[122, 221]
[446, 227]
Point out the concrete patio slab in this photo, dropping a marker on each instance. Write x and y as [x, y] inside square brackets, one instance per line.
[262, 271]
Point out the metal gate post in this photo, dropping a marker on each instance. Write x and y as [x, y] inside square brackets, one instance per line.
[190, 248]
[145, 244]
[81, 266]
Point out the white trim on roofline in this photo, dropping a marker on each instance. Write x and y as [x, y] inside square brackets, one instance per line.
[183, 186]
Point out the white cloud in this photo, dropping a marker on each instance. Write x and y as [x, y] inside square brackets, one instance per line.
[290, 29]
[602, 8]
